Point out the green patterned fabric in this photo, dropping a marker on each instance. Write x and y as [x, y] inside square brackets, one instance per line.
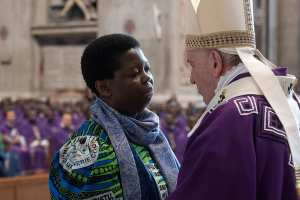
[151, 165]
[102, 179]
[1, 143]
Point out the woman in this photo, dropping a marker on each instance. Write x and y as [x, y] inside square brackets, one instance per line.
[120, 153]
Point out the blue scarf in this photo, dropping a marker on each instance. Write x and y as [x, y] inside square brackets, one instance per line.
[143, 131]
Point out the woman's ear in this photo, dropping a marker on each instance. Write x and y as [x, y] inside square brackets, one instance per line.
[218, 64]
[102, 88]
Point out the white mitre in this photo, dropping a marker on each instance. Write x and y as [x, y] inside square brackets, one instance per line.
[228, 25]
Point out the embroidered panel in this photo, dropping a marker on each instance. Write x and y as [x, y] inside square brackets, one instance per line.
[246, 105]
[269, 125]
[248, 16]
[291, 163]
[216, 106]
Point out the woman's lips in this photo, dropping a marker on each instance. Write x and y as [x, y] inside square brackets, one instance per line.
[149, 92]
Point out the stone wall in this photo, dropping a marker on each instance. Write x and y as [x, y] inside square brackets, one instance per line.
[165, 54]
[15, 47]
[34, 42]
[288, 36]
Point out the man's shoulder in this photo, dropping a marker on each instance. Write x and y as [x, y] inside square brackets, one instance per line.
[85, 166]
[240, 112]
[244, 105]
[250, 112]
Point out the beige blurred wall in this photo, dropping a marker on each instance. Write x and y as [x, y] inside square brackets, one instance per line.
[16, 48]
[36, 43]
[288, 36]
[166, 52]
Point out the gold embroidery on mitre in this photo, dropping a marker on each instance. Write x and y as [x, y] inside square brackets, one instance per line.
[220, 40]
[248, 16]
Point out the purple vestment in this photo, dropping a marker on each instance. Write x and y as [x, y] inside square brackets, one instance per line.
[180, 136]
[58, 117]
[78, 120]
[23, 153]
[38, 153]
[60, 136]
[239, 152]
[2, 120]
[20, 115]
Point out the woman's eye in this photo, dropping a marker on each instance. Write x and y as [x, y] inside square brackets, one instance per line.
[135, 74]
[147, 69]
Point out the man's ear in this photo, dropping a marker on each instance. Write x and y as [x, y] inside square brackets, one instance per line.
[218, 64]
[102, 88]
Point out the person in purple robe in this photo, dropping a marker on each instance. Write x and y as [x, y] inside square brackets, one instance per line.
[246, 144]
[63, 132]
[37, 139]
[191, 109]
[50, 120]
[175, 108]
[11, 134]
[175, 133]
[19, 110]
[59, 112]
[1, 118]
[78, 117]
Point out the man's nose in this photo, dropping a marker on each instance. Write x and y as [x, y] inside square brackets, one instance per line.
[192, 80]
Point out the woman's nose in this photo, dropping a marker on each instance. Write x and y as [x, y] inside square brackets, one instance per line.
[147, 77]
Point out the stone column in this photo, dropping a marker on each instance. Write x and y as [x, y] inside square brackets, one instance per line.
[272, 31]
[288, 36]
[16, 65]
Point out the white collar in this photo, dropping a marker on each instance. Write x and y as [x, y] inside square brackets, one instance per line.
[230, 75]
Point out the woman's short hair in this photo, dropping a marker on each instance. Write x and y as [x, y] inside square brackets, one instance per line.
[100, 58]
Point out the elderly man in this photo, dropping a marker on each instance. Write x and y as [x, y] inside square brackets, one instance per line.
[246, 144]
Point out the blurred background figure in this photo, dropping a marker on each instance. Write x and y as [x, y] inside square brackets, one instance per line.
[175, 133]
[63, 132]
[14, 141]
[34, 129]
[9, 161]
[176, 122]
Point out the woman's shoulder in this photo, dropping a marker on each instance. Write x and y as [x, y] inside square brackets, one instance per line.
[90, 128]
[85, 166]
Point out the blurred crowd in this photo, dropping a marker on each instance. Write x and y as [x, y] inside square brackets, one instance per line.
[32, 130]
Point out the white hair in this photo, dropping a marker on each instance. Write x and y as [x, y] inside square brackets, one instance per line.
[231, 59]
